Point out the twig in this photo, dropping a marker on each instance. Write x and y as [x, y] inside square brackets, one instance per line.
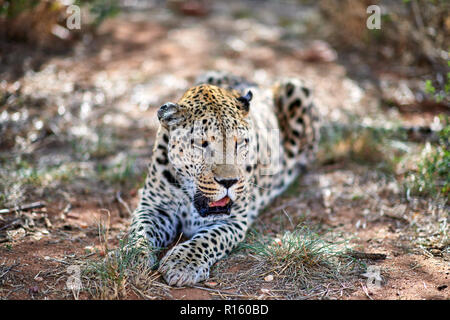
[58, 260]
[207, 289]
[289, 217]
[121, 201]
[143, 295]
[291, 203]
[364, 288]
[66, 209]
[34, 205]
[8, 269]
[417, 16]
[394, 217]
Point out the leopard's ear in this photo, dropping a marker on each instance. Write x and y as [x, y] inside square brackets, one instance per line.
[245, 102]
[170, 114]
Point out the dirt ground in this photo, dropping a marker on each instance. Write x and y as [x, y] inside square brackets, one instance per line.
[85, 124]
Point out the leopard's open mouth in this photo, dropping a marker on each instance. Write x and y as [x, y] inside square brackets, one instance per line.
[205, 207]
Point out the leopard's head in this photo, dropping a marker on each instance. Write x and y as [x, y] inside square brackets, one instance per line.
[209, 145]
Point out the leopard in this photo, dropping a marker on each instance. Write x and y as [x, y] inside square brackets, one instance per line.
[222, 153]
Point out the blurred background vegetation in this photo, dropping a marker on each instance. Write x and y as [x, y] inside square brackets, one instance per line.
[78, 107]
[43, 22]
[412, 47]
[415, 32]
[413, 43]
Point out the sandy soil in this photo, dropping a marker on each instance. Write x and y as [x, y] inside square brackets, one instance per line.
[139, 61]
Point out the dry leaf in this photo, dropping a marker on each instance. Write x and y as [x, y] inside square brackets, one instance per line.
[211, 284]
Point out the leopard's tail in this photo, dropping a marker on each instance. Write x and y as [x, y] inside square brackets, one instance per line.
[299, 120]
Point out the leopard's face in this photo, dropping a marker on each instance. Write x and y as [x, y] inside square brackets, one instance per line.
[209, 146]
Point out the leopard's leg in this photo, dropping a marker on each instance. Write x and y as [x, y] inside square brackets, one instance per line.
[190, 262]
[153, 228]
[156, 221]
[299, 121]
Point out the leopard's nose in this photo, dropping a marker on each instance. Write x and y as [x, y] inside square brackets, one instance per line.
[225, 174]
[227, 183]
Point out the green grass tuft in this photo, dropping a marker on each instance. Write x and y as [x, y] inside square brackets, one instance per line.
[432, 177]
[301, 256]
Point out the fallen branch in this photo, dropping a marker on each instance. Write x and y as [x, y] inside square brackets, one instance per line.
[403, 133]
[34, 205]
[364, 255]
[10, 223]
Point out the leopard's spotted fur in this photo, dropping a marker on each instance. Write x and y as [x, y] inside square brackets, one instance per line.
[224, 138]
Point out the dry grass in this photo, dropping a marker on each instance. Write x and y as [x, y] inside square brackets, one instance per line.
[121, 272]
[370, 146]
[295, 265]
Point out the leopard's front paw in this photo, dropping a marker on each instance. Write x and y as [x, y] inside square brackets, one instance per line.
[180, 270]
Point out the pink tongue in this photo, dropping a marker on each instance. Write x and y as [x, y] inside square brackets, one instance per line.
[220, 203]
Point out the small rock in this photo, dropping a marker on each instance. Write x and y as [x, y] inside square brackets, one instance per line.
[101, 251]
[16, 234]
[268, 278]
[37, 236]
[33, 290]
[73, 215]
[47, 222]
[83, 225]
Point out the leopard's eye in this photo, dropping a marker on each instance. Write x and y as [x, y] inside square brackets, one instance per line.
[242, 141]
[200, 144]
